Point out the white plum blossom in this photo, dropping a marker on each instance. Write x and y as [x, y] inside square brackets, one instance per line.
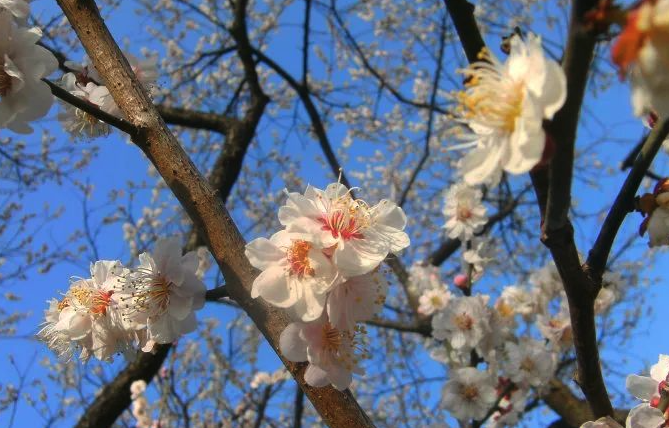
[557, 329]
[57, 340]
[433, 300]
[331, 353]
[264, 378]
[605, 422]
[90, 313]
[163, 292]
[358, 236]
[529, 363]
[469, 393]
[516, 300]
[423, 278]
[357, 299]
[464, 212]
[24, 97]
[464, 322]
[648, 389]
[295, 273]
[76, 121]
[481, 253]
[140, 405]
[19, 8]
[658, 227]
[503, 107]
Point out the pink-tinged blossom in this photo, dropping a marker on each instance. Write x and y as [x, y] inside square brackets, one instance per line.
[464, 323]
[469, 393]
[510, 407]
[464, 212]
[358, 236]
[89, 314]
[331, 353]
[163, 292]
[648, 389]
[503, 107]
[295, 273]
[357, 299]
[24, 97]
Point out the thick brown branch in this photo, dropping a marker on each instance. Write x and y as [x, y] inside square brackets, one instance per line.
[196, 119]
[573, 411]
[576, 65]
[338, 409]
[115, 396]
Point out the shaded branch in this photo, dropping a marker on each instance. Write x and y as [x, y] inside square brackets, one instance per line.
[115, 396]
[624, 202]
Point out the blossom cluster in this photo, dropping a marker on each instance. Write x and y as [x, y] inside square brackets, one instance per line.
[118, 310]
[324, 268]
[465, 325]
[25, 97]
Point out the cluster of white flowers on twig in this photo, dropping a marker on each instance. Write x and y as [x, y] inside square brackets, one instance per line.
[25, 97]
[324, 267]
[119, 310]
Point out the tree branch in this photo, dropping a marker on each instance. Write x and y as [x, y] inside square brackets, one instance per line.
[624, 202]
[338, 409]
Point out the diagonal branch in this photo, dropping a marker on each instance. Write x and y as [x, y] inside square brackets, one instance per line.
[624, 202]
[338, 409]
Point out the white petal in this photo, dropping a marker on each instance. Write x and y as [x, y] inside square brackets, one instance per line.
[262, 253]
[644, 416]
[642, 387]
[291, 343]
[272, 285]
[315, 376]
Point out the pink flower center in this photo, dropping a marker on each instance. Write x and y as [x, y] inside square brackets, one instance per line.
[298, 257]
[100, 302]
[5, 83]
[341, 223]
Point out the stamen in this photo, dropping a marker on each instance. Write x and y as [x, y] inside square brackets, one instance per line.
[298, 257]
